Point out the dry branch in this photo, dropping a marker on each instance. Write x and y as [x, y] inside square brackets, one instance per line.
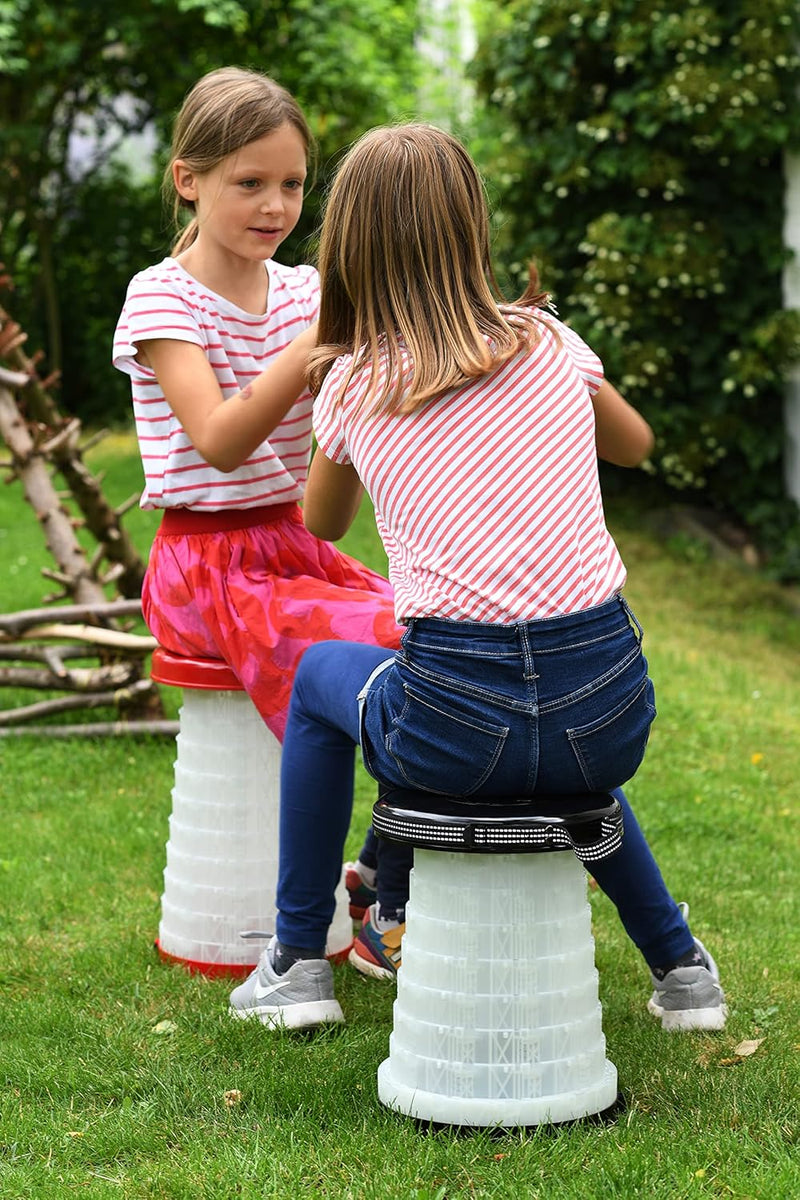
[61, 448]
[96, 729]
[94, 636]
[34, 475]
[80, 679]
[14, 716]
[41, 441]
[102, 613]
[53, 656]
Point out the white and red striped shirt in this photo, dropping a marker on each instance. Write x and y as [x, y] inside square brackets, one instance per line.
[164, 301]
[487, 499]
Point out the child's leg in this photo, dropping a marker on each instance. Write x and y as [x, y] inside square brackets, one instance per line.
[317, 787]
[376, 950]
[632, 881]
[368, 854]
[395, 861]
[630, 878]
[686, 990]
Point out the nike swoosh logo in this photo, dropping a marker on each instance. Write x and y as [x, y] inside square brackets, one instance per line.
[261, 993]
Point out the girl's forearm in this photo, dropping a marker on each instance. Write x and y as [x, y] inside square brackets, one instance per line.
[622, 435]
[332, 498]
[237, 426]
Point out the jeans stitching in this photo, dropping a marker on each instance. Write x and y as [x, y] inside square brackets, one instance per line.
[596, 685]
[472, 723]
[498, 732]
[424, 646]
[574, 735]
[468, 689]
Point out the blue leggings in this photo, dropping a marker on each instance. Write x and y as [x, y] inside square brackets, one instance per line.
[317, 773]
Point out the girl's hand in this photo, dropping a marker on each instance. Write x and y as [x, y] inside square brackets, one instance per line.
[622, 435]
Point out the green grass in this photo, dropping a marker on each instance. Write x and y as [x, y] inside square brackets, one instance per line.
[100, 1098]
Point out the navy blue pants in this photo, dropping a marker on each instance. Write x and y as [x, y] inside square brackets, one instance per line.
[561, 705]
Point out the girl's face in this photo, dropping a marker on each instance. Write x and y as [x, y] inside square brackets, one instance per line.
[251, 201]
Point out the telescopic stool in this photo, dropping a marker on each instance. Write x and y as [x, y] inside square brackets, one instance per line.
[222, 851]
[497, 1020]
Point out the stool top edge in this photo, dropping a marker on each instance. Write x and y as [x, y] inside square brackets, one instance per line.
[571, 808]
[204, 674]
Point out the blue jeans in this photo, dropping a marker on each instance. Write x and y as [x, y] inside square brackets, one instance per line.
[559, 705]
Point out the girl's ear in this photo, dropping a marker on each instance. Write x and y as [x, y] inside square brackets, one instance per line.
[184, 179]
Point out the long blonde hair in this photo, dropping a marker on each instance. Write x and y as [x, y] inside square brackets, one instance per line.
[407, 282]
[224, 111]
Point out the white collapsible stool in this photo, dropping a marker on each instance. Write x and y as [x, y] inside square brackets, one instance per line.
[497, 1020]
[222, 852]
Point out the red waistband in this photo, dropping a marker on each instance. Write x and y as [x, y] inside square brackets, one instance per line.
[191, 520]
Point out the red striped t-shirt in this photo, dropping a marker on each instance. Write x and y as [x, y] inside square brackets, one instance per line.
[487, 499]
[164, 301]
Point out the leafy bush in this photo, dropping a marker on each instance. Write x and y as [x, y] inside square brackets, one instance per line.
[638, 159]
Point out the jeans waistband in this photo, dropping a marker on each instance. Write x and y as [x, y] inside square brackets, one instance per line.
[454, 631]
[191, 520]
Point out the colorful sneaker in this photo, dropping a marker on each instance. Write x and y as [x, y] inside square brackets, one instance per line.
[360, 893]
[299, 999]
[690, 998]
[374, 953]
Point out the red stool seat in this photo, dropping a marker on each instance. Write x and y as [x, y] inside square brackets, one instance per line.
[207, 674]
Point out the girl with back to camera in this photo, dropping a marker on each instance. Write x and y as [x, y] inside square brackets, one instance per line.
[475, 428]
[216, 339]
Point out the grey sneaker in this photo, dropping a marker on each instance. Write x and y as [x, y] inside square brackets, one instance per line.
[690, 997]
[299, 999]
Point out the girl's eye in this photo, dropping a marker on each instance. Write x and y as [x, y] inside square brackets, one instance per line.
[294, 185]
[249, 184]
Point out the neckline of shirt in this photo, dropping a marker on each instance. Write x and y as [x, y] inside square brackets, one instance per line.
[222, 302]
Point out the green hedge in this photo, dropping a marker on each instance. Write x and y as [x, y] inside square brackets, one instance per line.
[638, 158]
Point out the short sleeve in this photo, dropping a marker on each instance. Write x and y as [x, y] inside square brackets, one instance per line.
[588, 364]
[328, 415]
[153, 308]
[303, 283]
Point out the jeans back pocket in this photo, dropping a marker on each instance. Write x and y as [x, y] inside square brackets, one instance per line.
[610, 749]
[441, 744]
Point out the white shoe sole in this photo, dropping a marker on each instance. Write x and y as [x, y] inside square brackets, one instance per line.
[292, 1016]
[365, 967]
[688, 1019]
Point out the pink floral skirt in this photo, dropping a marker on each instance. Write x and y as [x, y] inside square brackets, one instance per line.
[255, 588]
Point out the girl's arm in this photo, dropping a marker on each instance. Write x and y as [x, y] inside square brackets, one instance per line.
[622, 436]
[226, 432]
[332, 498]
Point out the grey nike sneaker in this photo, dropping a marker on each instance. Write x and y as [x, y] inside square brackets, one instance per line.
[690, 998]
[299, 999]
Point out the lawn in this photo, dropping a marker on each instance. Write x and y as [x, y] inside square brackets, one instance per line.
[124, 1077]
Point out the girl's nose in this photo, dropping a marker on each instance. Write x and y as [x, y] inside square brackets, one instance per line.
[273, 201]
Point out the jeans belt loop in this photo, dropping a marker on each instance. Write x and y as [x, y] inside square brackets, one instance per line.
[631, 616]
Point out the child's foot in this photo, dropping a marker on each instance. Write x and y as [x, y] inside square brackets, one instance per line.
[300, 998]
[361, 890]
[376, 951]
[689, 995]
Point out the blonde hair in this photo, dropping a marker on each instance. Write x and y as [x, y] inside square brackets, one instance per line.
[407, 282]
[224, 111]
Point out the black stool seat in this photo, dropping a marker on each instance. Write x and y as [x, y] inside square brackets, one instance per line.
[588, 824]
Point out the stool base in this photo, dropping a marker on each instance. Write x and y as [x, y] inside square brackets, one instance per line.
[497, 1020]
[222, 852]
[209, 969]
[484, 1113]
